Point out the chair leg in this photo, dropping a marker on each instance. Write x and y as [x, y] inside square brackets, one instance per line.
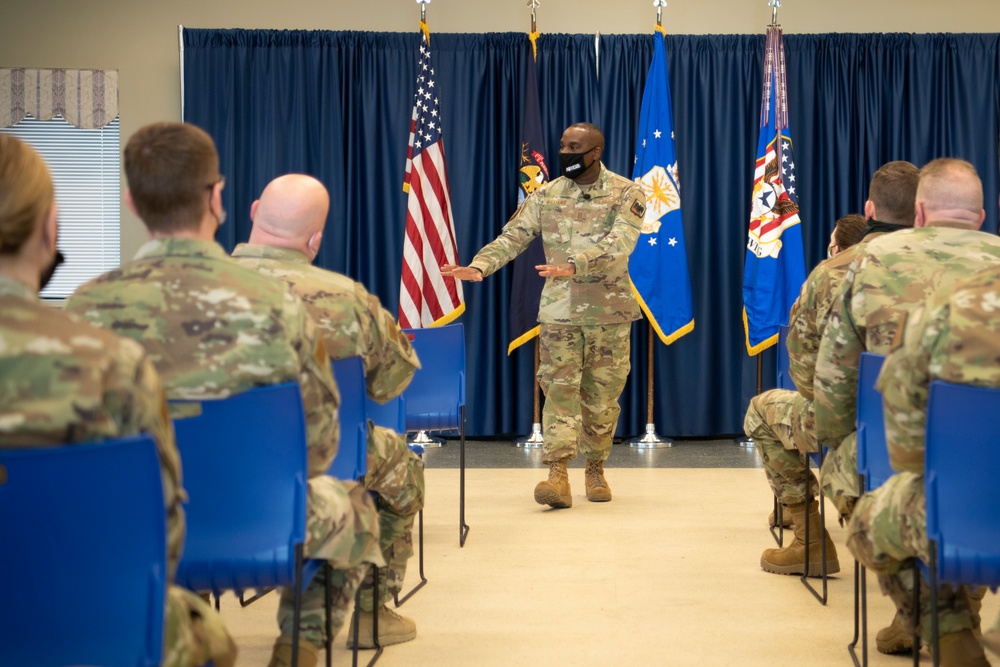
[357, 626]
[328, 605]
[822, 541]
[916, 607]
[420, 560]
[860, 617]
[297, 602]
[463, 528]
[779, 523]
[246, 602]
[935, 639]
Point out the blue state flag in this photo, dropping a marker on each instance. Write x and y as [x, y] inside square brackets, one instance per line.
[532, 173]
[658, 266]
[775, 266]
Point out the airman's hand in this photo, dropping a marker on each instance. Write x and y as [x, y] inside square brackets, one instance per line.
[462, 273]
[556, 270]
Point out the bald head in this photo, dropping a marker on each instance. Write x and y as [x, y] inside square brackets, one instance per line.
[950, 190]
[291, 213]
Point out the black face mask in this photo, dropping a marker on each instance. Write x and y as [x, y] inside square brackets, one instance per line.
[572, 164]
[50, 270]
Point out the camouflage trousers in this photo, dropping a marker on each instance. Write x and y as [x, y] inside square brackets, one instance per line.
[193, 632]
[782, 425]
[582, 371]
[839, 476]
[342, 527]
[887, 530]
[397, 475]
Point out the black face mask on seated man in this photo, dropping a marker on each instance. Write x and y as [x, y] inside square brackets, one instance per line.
[50, 270]
[572, 164]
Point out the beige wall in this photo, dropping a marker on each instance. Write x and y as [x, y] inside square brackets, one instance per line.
[139, 37]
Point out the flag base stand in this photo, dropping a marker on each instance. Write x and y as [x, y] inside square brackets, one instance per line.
[744, 441]
[650, 440]
[426, 441]
[533, 441]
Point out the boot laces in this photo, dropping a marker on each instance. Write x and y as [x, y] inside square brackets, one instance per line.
[594, 470]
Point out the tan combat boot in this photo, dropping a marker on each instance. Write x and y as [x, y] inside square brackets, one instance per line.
[792, 559]
[281, 655]
[961, 649]
[392, 629]
[598, 490]
[555, 490]
[895, 638]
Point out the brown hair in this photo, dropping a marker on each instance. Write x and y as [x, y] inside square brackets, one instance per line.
[893, 191]
[849, 230]
[170, 169]
[26, 192]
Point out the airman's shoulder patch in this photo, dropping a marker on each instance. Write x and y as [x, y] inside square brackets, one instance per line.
[638, 208]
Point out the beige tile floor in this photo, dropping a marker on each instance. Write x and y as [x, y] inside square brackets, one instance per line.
[666, 574]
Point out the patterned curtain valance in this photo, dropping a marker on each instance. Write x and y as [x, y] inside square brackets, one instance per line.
[86, 98]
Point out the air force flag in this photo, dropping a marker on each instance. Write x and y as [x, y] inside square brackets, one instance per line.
[658, 265]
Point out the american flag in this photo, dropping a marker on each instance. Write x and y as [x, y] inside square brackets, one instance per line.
[426, 298]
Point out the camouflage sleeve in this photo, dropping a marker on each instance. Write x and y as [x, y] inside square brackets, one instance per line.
[320, 398]
[516, 235]
[133, 395]
[620, 241]
[390, 359]
[835, 384]
[803, 339]
[905, 383]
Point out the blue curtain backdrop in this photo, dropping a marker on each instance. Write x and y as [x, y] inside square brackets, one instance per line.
[337, 105]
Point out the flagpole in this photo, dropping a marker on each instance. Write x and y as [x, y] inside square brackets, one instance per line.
[745, 440]
[651, 440]
[535, 440]
[422, 438]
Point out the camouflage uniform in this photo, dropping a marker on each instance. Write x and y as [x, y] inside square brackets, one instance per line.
[781, 422]
[352, 322]
[214, 329]
[64, 381]
[956, 339]
[585, 318]
[893, 275]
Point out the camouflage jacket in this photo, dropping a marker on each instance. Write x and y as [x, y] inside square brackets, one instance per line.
[955, 339]
[351, 321]
[597, 226]
[809, 314]
[214, 328]
[63, 380]
[889, 278]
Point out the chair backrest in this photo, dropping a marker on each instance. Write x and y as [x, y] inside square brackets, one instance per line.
[437, 392]
[391, 414]
[784, 379]
[873, 454]
[962, 468]
[245, 471]
[83, 571]
[351, 462]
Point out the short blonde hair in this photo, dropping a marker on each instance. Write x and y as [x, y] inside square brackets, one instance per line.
[26, 192]
[950, 183]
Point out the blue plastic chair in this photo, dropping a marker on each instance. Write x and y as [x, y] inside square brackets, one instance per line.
[784, 378]
[962, 464]
[245, 471]
[873, 471]
[392, 415]
[435, 399]
[86, 520]
[351, 462]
